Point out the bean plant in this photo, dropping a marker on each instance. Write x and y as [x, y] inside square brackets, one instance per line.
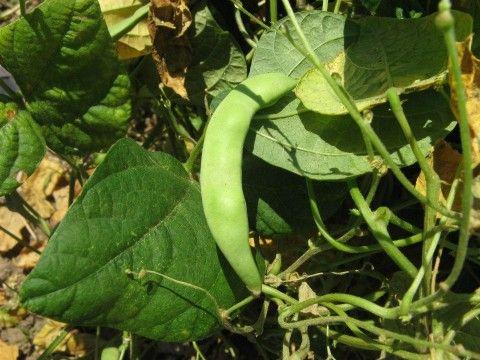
[279, 198]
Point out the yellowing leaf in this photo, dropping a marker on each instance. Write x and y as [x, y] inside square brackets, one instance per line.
[48, 333]
[136, 42]
[445, 161]
[8, 352]
[470, 66]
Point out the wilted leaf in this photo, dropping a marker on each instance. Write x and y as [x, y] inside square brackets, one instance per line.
[48, 333]
[8, 352]
[14, 223]
[27, 259]
[41, 184]
[136, 42]
[445, 161]
[171, 52]
[470, 66]
[80, 344]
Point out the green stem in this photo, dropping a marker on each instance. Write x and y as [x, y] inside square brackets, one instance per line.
[47, 354]
[399, 222]
[126, 339]
[238, 4]
[198, 351]
[380, 232]
[338, 3]
[364, 125]
[23, 7]
[194, 154]
[356, 301]
[431, 180]
[239, 305]
[273, 11]
[276, 294]
[243, 31]
[450, 41]
[325, 5]
[428, 255]
[123, 27]
[397, 110]
[356, 342]
[460, 351]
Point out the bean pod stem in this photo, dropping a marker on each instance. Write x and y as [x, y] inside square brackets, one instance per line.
[221, 170]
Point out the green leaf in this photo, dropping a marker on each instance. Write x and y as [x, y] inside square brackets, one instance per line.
[326, 147]
[380, 53]
[22, 147]
[65, 63]
[218, 63]
[331, 147]
[139, 210]
[467, 335]
[277, 200]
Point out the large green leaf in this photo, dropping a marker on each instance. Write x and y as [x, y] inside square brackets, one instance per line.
[66, 65]
[218, 63]
[138, 211]
[379, 54]
[331, 147]
[277, 200]
[22, 147]
[325, 147]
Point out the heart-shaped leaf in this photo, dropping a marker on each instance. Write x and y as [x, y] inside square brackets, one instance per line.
[325, 147]
[139, 211]
[22, 147]
[65, 63]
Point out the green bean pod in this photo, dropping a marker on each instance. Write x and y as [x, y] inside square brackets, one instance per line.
[221, 170]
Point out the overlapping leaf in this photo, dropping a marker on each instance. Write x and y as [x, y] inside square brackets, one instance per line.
[22, 147]
[66, 65]
[379, 54]
[137, 41]
[331, 147]
[139, 211]
[218, 63]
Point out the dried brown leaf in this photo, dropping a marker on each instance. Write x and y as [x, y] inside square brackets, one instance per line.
[27, 259]
[168, 25]
[470, 66]
[12, 222]
[41, 184]
[445, 161]
[8, 352]
[305, 292]
[45, 336]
